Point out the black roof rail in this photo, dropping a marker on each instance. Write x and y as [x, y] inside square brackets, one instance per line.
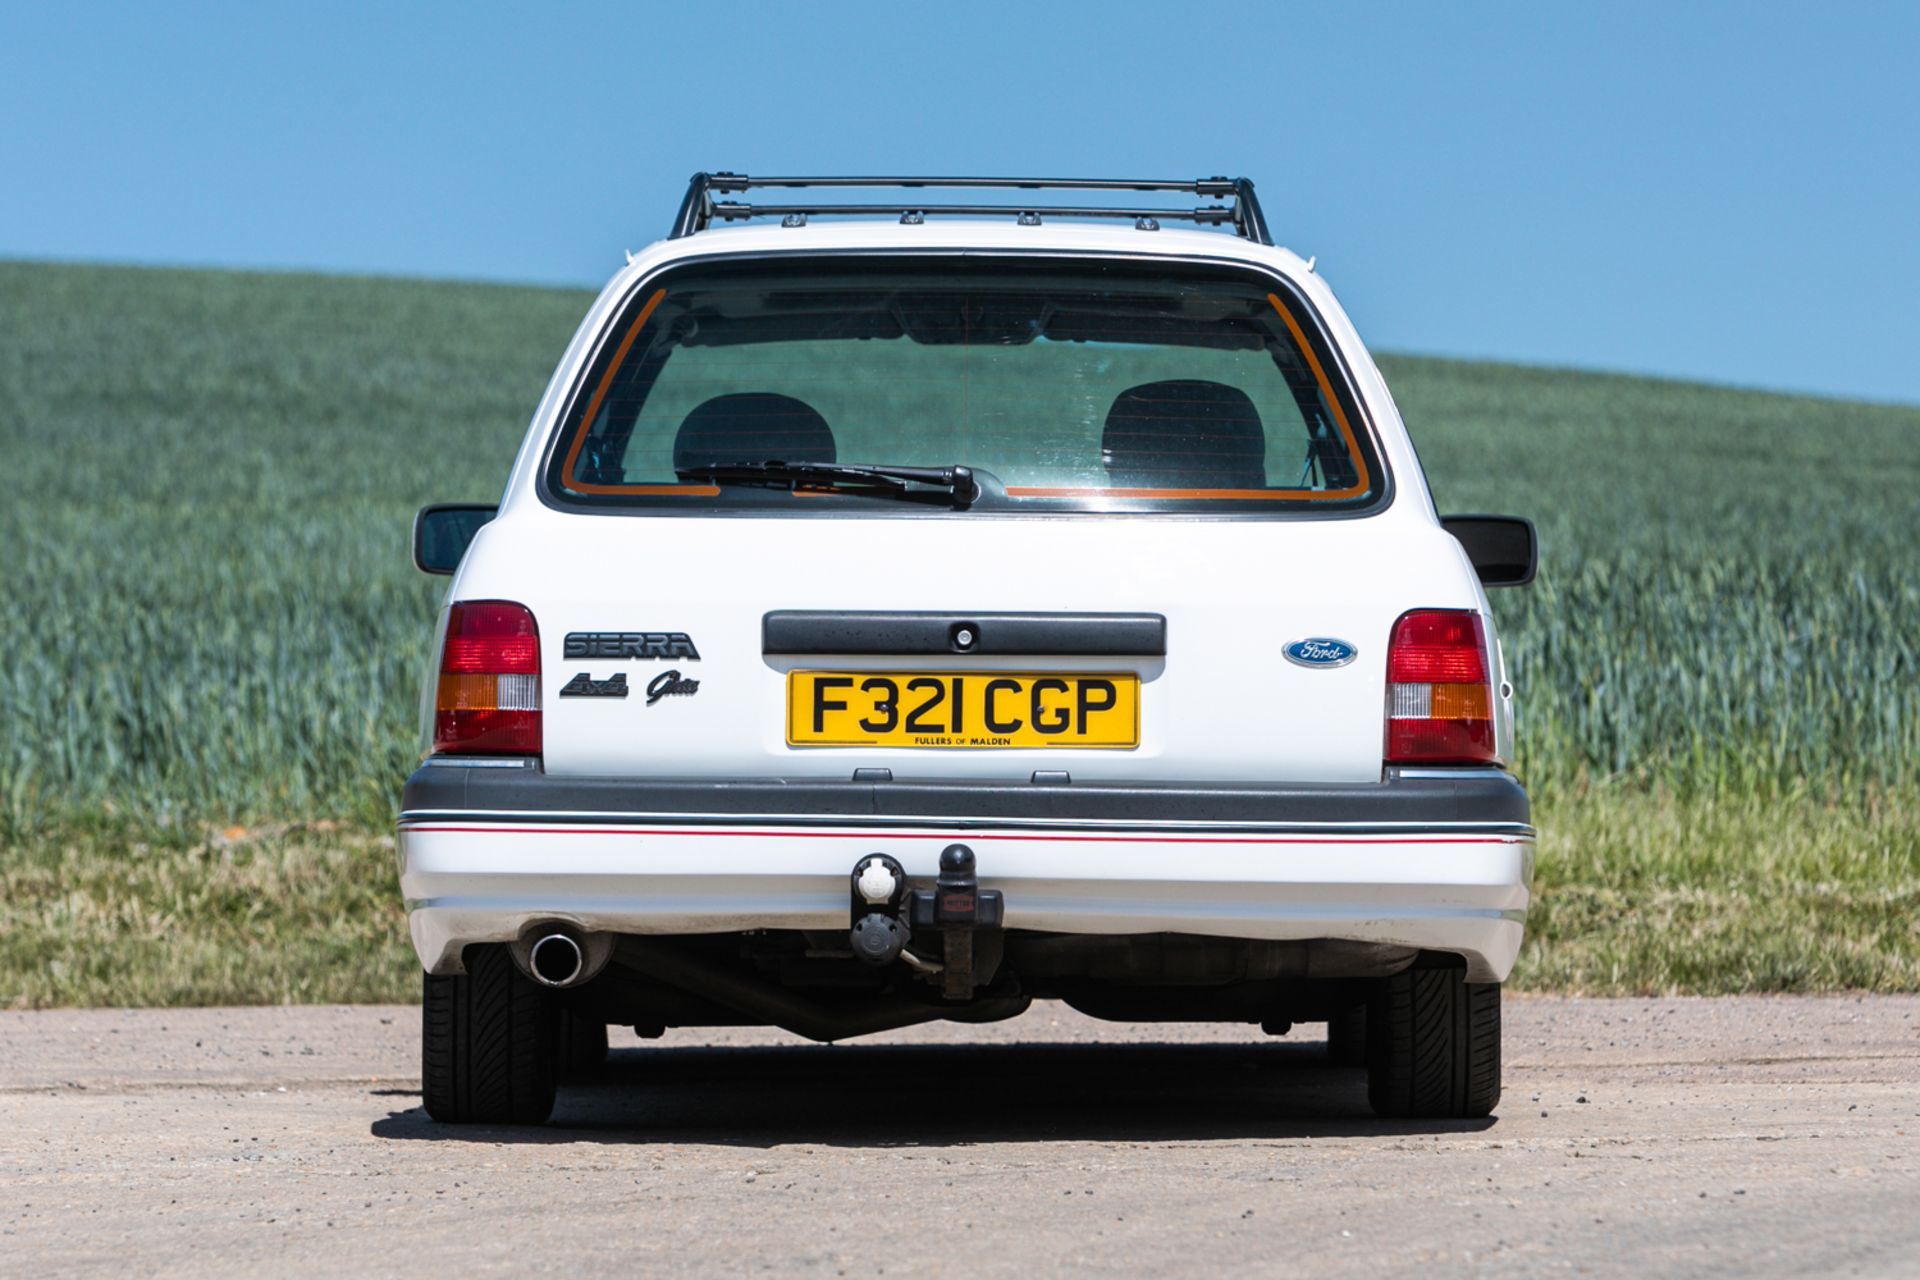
[699, 210]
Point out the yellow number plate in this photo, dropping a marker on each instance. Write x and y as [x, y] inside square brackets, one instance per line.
[962, 709]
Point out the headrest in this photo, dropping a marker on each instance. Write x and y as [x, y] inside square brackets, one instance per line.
[1184, 434]
[752, 426]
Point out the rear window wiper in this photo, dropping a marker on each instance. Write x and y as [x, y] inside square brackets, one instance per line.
[953, 485]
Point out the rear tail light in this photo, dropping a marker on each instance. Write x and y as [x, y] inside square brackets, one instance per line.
[489, 696]
[1439, 689]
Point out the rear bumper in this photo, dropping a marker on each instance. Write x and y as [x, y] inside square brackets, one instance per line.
[1441, 861]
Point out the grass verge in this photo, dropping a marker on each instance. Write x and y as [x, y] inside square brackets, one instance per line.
[113, 914]
[1645, 894]
[1637, 894]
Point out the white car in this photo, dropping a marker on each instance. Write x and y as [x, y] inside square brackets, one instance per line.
[902, 611]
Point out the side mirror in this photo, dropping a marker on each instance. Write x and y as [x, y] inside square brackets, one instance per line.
[1504, 549]
[442, 534]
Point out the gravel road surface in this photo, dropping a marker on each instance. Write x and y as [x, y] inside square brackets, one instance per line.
[1657, 1136]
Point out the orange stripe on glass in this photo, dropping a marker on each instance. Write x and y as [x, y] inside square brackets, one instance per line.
[1361, 480]
[1288, 495]
[593, 411]
[1361, 485]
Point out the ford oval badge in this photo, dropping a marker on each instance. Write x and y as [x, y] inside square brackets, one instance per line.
[1320, 651]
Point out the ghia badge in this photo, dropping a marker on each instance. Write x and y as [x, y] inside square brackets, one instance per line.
[1320, 651]
[670, 684]
[585, 686]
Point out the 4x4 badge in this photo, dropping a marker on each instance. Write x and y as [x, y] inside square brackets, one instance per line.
[1320, 651]
[585, 686]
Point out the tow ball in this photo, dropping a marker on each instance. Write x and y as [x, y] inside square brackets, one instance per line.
[886, 912]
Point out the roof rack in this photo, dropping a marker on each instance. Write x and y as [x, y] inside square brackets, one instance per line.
[699, 210]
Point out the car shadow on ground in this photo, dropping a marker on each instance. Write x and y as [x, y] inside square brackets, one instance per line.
[947, 1095]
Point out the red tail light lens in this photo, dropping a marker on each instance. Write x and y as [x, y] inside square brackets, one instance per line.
[489, 697]
[1439, 689]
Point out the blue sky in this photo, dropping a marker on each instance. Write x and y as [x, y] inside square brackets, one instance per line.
[1730, 193]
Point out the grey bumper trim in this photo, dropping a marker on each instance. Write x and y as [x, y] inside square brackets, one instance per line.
[1479, 800]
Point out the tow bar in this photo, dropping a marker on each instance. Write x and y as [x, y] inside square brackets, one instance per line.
[886, 913]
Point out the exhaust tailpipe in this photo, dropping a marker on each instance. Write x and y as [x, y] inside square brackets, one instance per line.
[556, 960]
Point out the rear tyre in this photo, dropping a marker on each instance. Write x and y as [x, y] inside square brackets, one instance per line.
[489, 1044]
[1433, 1046]
[1347, 1038]
[583, 1046]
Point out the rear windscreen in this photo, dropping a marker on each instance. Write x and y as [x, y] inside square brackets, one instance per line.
[1075, 386]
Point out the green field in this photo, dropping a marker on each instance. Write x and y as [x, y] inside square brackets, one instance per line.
[212, 638]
